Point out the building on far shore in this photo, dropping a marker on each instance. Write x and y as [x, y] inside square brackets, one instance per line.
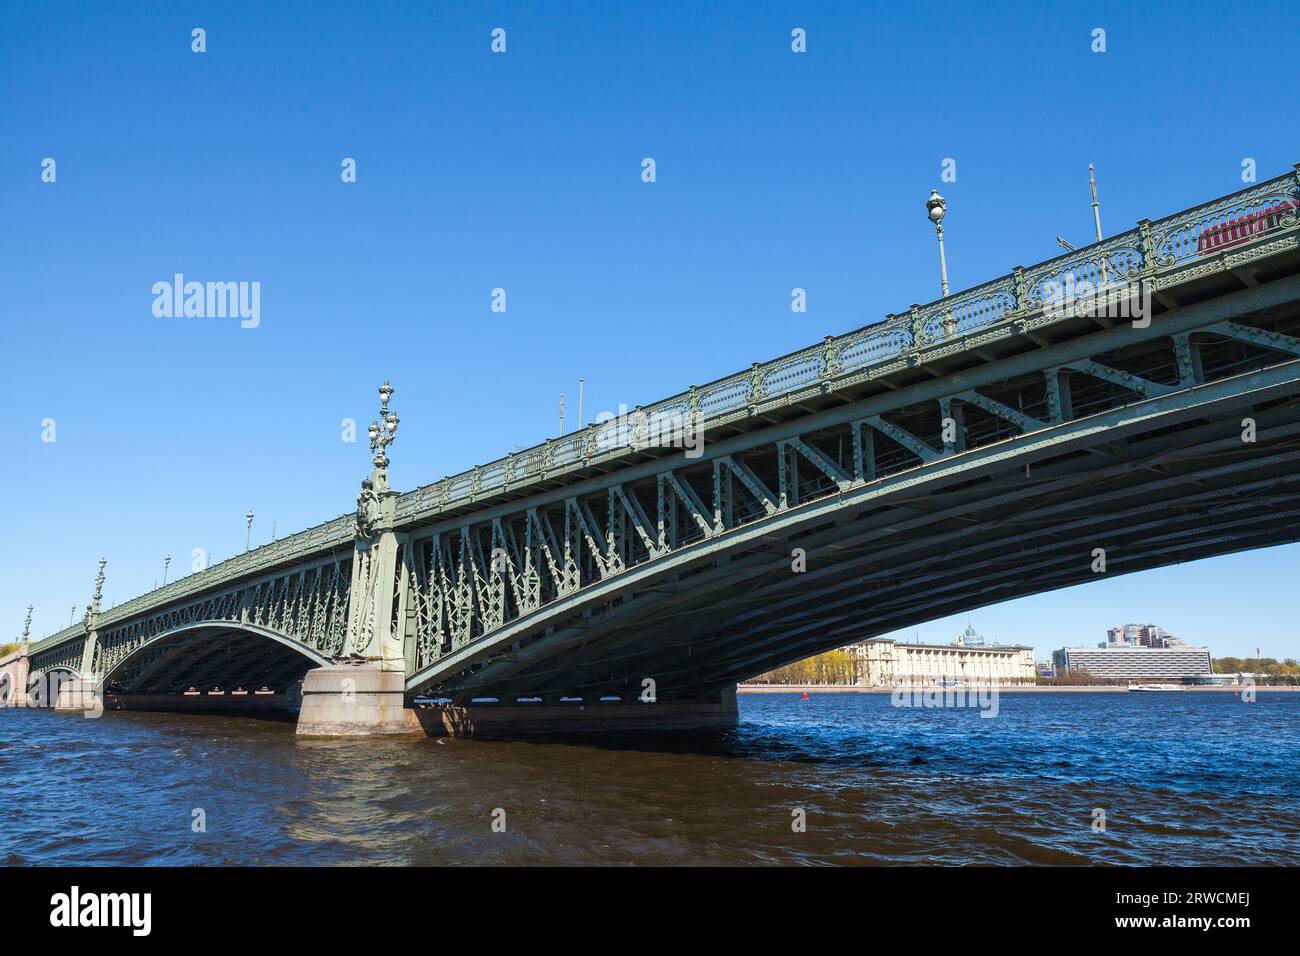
[1140, 635]
[968, 660]
[1128, 661]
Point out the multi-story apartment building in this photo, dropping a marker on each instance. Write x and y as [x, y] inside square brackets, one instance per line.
[1140, 635]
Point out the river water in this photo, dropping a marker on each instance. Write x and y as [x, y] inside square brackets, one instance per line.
[1192, 777]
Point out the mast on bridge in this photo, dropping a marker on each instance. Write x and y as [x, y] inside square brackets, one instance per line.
[374, 564]
[91, 622]
[364, 693]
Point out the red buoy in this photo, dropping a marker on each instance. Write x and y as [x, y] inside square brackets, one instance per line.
[805, 695]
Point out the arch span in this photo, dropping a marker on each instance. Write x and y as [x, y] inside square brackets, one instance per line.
[1157, 482]
[207, 654]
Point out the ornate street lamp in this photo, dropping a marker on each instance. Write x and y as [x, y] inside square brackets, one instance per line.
[27, 626]
[166, 564]
[248, 535]
[937, 207]
[384, 431]
[373, 503]
[99, 588]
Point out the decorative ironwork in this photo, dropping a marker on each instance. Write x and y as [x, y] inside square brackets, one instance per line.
[99, 587]
[468, 577]
[1084, 272]
[373, 511]
[1227, 223]
[383, 431]
[308, 604]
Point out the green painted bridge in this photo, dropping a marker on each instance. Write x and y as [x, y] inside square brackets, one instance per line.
[1131, 404]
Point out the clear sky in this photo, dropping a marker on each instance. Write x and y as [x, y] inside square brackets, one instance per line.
[522, 171]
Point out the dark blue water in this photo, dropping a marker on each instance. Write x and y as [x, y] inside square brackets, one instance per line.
[1186, 778]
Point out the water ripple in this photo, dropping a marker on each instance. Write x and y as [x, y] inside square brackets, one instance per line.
[1181, 779]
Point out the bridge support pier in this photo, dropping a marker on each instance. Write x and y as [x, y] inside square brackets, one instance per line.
[718, 710]
[347, 700]
[78, 695]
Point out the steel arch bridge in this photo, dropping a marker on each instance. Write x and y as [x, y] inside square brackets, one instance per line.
[1137, 399]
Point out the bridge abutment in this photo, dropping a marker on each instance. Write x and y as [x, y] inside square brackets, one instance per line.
[14, 671]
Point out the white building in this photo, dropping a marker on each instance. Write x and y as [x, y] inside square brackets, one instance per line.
[967, 661]
[1124, 661]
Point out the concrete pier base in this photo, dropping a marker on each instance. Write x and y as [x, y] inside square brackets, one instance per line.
[345, 700]
[363, 701]
[523, 720]
[79, 695]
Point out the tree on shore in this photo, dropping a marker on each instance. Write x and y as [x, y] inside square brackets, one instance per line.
[832, 667]
[1257, 665]
[1077, 678]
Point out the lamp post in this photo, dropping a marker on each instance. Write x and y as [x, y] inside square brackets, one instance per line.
[167, 560]
[936, 207]
[72, 615]
[248, 535]
[374, 503]
[99, 587]
[27, 626]
[383, 432]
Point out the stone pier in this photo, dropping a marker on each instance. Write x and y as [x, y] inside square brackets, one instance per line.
[348, 700]
[79, 694]
[365, 701]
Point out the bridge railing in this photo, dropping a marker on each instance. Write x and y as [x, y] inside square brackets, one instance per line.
[336, 532]
[57, 638]
[1234, 220]
[1143, 252]
[1153, 247]
[1119, 258]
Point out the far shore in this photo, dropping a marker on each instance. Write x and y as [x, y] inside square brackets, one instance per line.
[1008, 689]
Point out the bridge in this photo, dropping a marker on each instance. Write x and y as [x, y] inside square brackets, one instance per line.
[1128, 405]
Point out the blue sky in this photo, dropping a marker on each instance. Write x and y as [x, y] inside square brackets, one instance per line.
[522, 171]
